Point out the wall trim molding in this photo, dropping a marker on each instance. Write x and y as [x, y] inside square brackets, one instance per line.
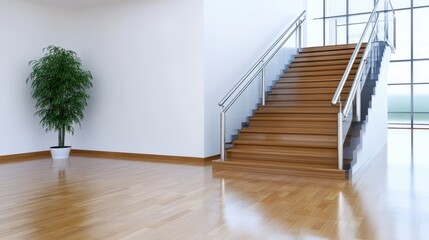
[113, 155]
[143, 157]
[25, 156]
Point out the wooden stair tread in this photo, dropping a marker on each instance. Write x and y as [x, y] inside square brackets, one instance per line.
[292, 124]
[330, 78]
[287, 143]
[299, 85]
[338, 51]
[294, 151]
[317, 73]
[326, 58]
[298, 110]
[321, 90]
[329, 48]
[295, 117]
[319, 131]
[297, 104]
[280, 169]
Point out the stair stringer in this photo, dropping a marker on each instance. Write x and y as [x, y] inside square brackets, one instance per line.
[369, 137]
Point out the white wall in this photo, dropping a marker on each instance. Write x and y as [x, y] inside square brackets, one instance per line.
[25, 29]
[146, 57]
[236, 34]
[159, 67]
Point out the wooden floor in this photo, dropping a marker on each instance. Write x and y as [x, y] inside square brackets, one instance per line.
[118, 199]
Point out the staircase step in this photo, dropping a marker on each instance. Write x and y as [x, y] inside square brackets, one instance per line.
[335, 78]
[313, 110]
[295, 85]
[312, 68]
[303, 91]
[326, 58]
[287, 137]
[290, 130]
[303, 97]
[288, 143]
[294, 170]
[292, 124]
[297, 104]
[339, 51]
[330, 48]
[316, 73]
[295, 117]
[330, 154]
[341, 62]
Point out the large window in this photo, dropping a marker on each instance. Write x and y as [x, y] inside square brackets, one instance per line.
[342, 21]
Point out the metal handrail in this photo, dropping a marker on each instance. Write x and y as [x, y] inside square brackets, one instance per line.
[237, 85]
[359, 72]
[264, 64]
[354, 95]
[336, 98]
[256, 69]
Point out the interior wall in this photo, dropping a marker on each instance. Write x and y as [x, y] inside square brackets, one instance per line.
[146, 57]
[236, 34]
[25, 29]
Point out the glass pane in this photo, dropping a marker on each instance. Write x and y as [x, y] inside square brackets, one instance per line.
[421, 71]
[401, 3]
[417, 3]
[314, 9]
[400, 118]
[421, 33]
[335, 7]
[335, 31]
[421, 98]
[399, 98]
[421, 118]
[361, 6]
[315, 33]
[356, 26]
[399, 72]
[403, 35]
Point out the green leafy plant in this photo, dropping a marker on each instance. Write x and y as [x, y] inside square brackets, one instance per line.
[59, 86]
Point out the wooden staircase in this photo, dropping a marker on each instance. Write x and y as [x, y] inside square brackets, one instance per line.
[295, 133]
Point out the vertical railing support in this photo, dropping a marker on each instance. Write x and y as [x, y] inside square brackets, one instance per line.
[340, 139]
[299, 35]
[264, 85]
[222, 135]
[358, 102]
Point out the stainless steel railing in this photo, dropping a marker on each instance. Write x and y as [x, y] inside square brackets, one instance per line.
[257, 69]
[372, 27]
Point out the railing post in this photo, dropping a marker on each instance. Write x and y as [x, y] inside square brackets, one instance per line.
[222, 135]
[299, 35]
[358, 102]
[340, 139]
[263, 86]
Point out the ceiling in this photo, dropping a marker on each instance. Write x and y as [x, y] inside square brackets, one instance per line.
[70, 4]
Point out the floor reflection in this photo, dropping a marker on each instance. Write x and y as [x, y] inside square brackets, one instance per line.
[386, 202]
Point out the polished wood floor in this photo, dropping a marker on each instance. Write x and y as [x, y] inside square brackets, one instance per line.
[118, 199]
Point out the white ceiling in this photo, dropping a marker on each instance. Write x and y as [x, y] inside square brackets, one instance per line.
[70, 4]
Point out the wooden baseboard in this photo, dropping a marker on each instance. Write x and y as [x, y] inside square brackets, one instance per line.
[113, 155]
[143, 157]
[25, 156]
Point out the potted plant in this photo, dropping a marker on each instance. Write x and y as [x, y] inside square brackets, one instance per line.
[59, 87]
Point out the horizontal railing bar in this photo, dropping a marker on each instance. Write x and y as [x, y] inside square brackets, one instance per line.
[237, 85]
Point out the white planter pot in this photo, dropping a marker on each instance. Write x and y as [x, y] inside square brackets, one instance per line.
[60, 153]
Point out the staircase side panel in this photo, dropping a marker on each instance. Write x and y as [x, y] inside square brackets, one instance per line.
[373, 136]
